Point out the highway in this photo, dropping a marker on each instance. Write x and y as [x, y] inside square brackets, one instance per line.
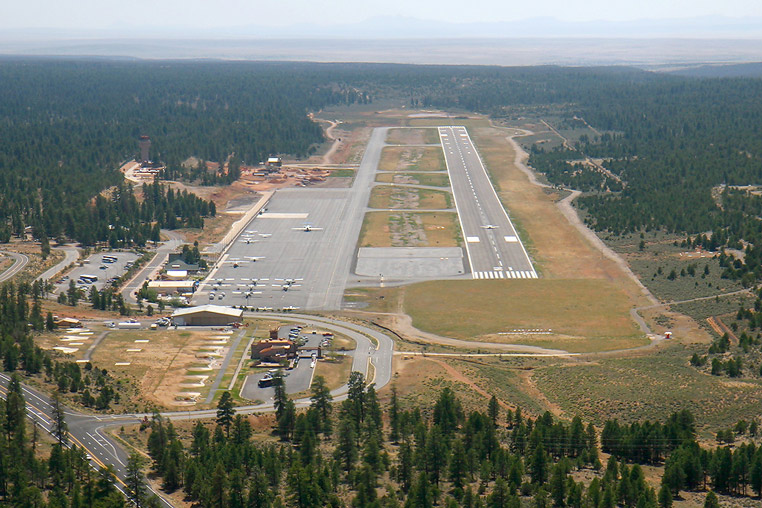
[493, 246]
[88, 431]
[19, 262]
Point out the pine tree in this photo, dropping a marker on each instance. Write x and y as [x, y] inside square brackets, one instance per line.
[60, 429]
[135, 479]
[493, 410]
[321, 402]
[394, 417]
[711, 500]
[665, 497]
[225, 411]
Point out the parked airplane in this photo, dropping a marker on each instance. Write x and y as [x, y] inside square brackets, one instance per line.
[291, 281]
[254, 258]
[287, 285]
[307, 228]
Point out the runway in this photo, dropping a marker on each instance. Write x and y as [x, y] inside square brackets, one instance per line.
[493, 247]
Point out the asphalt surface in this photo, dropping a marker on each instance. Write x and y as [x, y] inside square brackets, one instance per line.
[88, 431]
[493, 247]
[297, 379]
[71, 254]
[19, 262]
[319, 261]
[162, 253]
[92, 266]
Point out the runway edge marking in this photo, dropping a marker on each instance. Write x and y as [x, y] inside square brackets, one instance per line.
[454, 197]
[478, 156]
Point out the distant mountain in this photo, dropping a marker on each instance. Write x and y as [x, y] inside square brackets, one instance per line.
[746, 70]
[393, 27]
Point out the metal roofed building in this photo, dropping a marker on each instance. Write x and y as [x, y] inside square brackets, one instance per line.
[207, 315]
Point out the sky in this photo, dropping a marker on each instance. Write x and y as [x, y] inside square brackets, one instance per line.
[203, 15]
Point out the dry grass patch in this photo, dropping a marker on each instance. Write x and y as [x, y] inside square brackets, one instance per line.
[161, 365]
[412, 136]
[467, 309]
[648, 387]
[415, 158]
[335, 371]
[419, 381]
[410, 229]
[387, 196]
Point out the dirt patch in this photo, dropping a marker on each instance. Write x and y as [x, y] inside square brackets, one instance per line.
[389, 197]
[458, 376]
[531, 389]
[410, 229]
[412, 136]
[412, 158]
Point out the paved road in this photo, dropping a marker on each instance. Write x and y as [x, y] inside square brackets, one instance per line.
[87, 431]
[175, 240]
[19, 262]
[493, 247]
[322, 258]
[71, 254]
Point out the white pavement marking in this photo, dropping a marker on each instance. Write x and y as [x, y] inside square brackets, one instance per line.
[283, 215]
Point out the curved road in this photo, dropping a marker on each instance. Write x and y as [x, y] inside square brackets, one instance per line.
[87, 431]
[71, 254]
[19, 262]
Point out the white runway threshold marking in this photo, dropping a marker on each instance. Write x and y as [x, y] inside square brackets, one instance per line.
[472, 239]
[283, 215]
[518, 274]
[511, 239]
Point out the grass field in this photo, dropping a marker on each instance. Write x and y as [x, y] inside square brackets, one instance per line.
[412, 136]
[649, 387]
[417, 158]
[487, 307]
[387, 196]
[410, 229]
[430, 179]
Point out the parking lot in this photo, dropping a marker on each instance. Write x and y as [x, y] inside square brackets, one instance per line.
[96, 266]
[297, 379]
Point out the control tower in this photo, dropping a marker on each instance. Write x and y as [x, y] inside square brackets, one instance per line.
[145, 145]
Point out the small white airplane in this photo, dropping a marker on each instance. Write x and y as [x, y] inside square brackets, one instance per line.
[307, 228]
[248, 240]
[290, 308]
[265, 235]
[287, 285]
[490, 226]
[254, 258]
[264, 309]
[236, 262]
[291, 281]
[248, 294]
